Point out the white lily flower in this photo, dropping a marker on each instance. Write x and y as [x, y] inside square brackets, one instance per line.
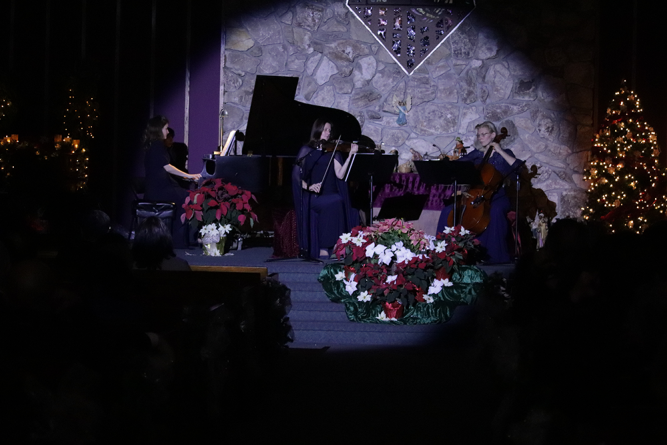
[448, 230]
[364, 296]
[340, 276]
[391, 278]
[350, 286]
[224, 230]
[346, 237]
[464, 231]
[370, 249]
[428, 299]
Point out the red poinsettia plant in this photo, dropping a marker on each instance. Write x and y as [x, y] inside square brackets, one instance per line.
[394, 264]
[219, 202]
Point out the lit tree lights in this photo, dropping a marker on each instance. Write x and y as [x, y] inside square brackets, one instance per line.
[79, 123]
[623, 172]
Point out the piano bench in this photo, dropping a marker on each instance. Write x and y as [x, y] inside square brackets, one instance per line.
[141, 210]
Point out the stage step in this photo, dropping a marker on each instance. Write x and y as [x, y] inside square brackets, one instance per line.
[319, 323]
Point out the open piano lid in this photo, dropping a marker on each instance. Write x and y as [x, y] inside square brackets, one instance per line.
[278, 125]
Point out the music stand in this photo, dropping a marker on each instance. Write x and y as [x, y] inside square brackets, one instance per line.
[407, 207]
[448, 172]
[374, 167]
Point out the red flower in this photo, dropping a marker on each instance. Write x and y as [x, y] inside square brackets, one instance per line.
[393, 310]
[231, 189]
[420, 296]
[441, 274]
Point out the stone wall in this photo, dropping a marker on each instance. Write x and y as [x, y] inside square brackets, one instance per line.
[527, 66]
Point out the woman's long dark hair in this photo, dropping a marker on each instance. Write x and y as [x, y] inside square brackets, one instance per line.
[152, 244]
[316, 131]
[153, 130]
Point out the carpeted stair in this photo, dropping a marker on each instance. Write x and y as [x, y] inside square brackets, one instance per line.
[319, 323]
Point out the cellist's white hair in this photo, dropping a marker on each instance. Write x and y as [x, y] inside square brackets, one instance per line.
[488, 125]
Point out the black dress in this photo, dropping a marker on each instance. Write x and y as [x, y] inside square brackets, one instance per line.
[326, 215]
[160, 186]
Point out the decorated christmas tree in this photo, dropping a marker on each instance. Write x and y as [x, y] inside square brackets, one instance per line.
[625, 191]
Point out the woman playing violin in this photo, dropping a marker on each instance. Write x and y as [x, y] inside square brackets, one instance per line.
[496, 235]
[319, 189]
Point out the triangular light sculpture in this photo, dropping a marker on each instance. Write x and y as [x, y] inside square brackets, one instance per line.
[411, 30]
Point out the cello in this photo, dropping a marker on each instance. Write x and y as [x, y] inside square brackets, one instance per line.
[475, 204]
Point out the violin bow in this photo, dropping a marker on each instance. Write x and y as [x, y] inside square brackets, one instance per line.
[330, 160]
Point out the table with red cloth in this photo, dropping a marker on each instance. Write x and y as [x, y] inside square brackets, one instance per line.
[402, 184]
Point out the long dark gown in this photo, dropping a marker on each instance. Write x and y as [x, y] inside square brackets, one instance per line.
[160, 186]
[496, 237]
[326, 215]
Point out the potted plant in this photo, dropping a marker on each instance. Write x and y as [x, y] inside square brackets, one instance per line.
[392, 272]
[217, 208]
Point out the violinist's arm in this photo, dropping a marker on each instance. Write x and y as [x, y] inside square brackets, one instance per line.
[342, 169]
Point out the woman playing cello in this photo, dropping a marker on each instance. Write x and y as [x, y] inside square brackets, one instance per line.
[495, 237]
[321, 198]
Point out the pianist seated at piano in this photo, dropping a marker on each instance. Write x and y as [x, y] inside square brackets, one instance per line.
[496, 237]
[321, 197]
[160, 186]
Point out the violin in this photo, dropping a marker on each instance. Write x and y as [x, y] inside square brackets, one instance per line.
[344, 146]
[475, 205]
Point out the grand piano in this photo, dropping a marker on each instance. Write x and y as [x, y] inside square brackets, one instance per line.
[278, 126]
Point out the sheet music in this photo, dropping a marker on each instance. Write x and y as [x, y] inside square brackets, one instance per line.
[228, 144]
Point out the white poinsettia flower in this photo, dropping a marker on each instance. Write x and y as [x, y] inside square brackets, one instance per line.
[441, 246]
[434, 288]
[383, 317]
[346, 237]
[404, 255]
[370, 250]
[391, 278]
[396, 246]
[386, 256]
[379, 249]
[364, 296]
[340, 276]
[350, 286]
[428, 299]
[358, 241]
[464, 231]
[444, 283]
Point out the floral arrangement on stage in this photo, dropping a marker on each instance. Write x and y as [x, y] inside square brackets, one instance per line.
[392, 272]
[218, 208]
